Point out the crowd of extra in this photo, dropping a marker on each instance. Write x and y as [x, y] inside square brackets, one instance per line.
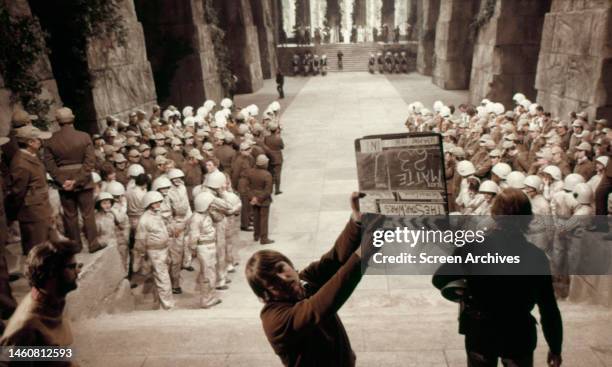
[175, 187]
[389, 63]
[558, 163]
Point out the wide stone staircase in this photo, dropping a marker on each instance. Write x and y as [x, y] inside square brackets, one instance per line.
[355, 57]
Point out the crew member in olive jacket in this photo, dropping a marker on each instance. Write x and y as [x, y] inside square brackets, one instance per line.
[300, 313]
[70, 158]
[29, 194]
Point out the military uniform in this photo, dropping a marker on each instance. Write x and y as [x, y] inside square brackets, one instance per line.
[259, 183]
[240, 166]
[152, 238]
[69, 155]
[201, 236]
[586, 168]
[275, 151]
[29, 199]
[225, 154]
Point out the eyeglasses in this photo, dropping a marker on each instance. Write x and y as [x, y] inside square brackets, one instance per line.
[74, 266]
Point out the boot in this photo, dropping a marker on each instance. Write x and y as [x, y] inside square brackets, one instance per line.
[266, 241]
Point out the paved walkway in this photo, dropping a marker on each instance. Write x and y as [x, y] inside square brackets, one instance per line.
[391, 320]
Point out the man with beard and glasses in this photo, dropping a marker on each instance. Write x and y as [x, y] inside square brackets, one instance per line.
[52, 272]
[300, 312]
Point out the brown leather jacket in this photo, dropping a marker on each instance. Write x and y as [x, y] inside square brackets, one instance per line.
[69, 155]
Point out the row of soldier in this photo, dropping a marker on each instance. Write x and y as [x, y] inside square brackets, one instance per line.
[388, 63]
[561, 165]
[165, 190]
[309, 64]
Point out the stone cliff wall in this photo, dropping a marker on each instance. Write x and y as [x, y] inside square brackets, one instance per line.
[180, 48]
[453, 46]
[575, 62]
[19, 8]
[263, 19]
[121, 76]
[506, 51]
[429, 11]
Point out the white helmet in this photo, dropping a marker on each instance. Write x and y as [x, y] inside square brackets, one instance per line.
[202, 201]
[188, 111]
[215, 180]
[209, 104]
[603, 160]
[534, 182]
[175, 173]
[516, 180]
[466, 168]
[135, 170]
[104, 196]
[253, 110]
[571, 180]
[532, 108]
[437, 106]
[525, 103]
[489, 187]
[95, 177]
[501, 170]
[275, 106]
[116, 188]
[445, 112]
[151, 197]
[226, 103]
[554, 172]
[583, 193]
[189, 121]
[161, 182]
[519, 97]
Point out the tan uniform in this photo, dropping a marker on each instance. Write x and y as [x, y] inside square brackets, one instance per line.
[29, 199]
[275, 146]
[586, 168]
[225, 154]
[201, 237]
[152, 238]
[194, 176]
[106, 227]
[259, 183]
[69, 155]
[123, 229]
[149, 165]
[181, 212]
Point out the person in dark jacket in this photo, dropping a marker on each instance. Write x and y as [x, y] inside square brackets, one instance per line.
[300, 312]
[496, 309]
[280, 83]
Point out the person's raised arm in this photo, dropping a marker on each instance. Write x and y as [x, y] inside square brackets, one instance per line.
[346, 244]
[550, 318]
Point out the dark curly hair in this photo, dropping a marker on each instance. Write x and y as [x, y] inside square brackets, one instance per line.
[261, 270]
[47, 260]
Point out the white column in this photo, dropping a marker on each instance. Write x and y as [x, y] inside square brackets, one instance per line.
[317, 13]
[401, 15]
[288, 16]
[347, 18]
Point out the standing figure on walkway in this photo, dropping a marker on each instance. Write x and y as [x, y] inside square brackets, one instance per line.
[152, 238]
[340, 56]
[70, 158]
[280, 83]
[324, 64]
[260, 184]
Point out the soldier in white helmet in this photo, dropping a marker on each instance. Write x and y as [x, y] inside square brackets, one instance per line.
[201, 236]
[488, 189]
[163, 185]
[215, 183]
[135, 209]
[552, 181]
[541, 228]
[179, 200]
[152, 238]
[232, 229]
[562, 206]
[466, 170]
[105, 219]
[499, 172]
[601, 163]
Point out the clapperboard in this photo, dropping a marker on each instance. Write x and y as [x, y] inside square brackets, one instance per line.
[402, 174]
